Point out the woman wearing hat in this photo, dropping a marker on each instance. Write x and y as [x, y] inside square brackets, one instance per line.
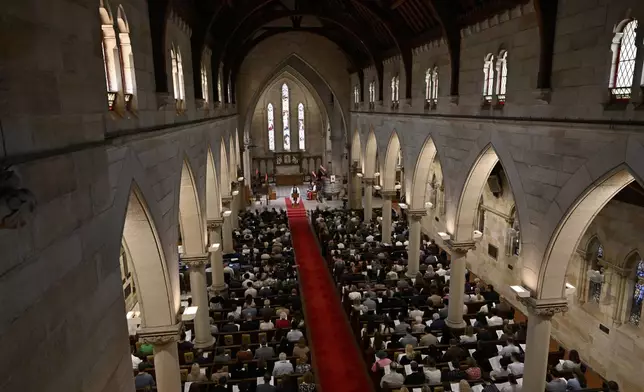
[381, 362]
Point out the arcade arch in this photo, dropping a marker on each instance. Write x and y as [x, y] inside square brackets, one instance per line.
[191, 224]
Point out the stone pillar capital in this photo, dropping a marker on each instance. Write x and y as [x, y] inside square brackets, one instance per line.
[161, 335]
[215, 223]
[226, 198]
[416, 215]
[368, 181]
[460, 247]
[388, 194]
[196, 261]
[545, 308]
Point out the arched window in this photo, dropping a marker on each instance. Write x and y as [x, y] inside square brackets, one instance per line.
[502, 72]
[372, 91]
[488, 77]
[230, 92]
[177, 76]
[514, 237]
[638, 294]
[356, 95]
[110, 50]
[220, 90]
[395, 86]
[286, 118]
[624, 50]
[271, 128]
[204, 82]
[126, 57]
[431, 85]
[300, 124]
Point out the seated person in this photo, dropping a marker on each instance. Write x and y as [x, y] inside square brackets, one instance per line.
[432, 374]
[469, 336]
[381, 362]
[244, 353]
[283, 366]
[184, 345]
[473, 371]
[509, 349]
[230, 326]
[568, 365]
[196, 375]
[409, 356]
[143, 379]
[392, 380]
[516, 367]
[415, 377]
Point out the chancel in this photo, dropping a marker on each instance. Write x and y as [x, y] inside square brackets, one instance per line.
[322, 195]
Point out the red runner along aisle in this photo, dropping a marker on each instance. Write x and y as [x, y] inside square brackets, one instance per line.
[339, 365]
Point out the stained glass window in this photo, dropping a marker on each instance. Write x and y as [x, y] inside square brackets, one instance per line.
[395, 86]
[300, 124]
[488, 74]
[623, 67]
[271, 128]
[220, 93]
[285, 118]
[638, 295]
[502, 71]
[204, 82]
[431, 85]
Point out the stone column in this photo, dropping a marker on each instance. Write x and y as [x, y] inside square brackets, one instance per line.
[227, 233]
[355, 199]
[198, 289]
[234, 208]
[540, 312]
[368, 198]
[217, 267]
[216, 255]
[622, 279]
[387, 195]
[166, 355]
[458, 252]
[413, 253]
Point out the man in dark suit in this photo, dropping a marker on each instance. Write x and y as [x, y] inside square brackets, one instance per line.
[415, 377]
[250, 324]
[267, 310]
[264, 351]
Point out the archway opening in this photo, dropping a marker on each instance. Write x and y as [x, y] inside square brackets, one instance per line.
[393, 173]
[428, 191]
[190, 220]
[144, 273]
[601, 203]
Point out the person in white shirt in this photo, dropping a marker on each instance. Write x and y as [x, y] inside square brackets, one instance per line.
[294, 335]
[355, 294]
[432, 374]
[494, 320]
[282, 366]
[250, 290]
[465, 309]
[440, 271]
[266, 325]
[509, 349]
[135, 362]
[415, 312]
[469, 336]
[516, 367]
[513, 387]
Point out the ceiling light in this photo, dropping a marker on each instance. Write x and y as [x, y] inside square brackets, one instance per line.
[404, 206]
[376, 174]
[189, 313]
[227, 213]
[214, 247]
[360, 175]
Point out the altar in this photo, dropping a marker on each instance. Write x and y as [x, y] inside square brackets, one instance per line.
[288, 169]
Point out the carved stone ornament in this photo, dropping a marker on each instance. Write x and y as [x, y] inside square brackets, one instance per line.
[368, 181]
[388, 194]
[161, 335]
[196, 261]
[417, 214]
[226, 199]
[545, 308]
[214, 224]
[460, 247]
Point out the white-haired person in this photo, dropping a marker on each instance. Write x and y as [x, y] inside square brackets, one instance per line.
[283, 366]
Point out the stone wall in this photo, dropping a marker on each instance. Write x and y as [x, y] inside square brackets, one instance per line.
[581, 65]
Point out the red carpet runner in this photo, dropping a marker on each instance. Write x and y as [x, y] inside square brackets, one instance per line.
[339, 365]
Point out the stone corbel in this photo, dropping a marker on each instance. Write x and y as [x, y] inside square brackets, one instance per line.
[460, 246]
[215, 223]
[161, 335]
[165, 101]
[542, 95]
[417, 215]
[196, 261]
[545, 308]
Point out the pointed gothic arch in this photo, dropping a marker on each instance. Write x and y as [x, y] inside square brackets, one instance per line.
[150, 270]
[370, 156]
[213, 198]
[391, 161]
[421, 174]
[190, 220]
[224, 173]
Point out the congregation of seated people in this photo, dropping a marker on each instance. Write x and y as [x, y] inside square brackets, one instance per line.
[257, 321]
[400, 322]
